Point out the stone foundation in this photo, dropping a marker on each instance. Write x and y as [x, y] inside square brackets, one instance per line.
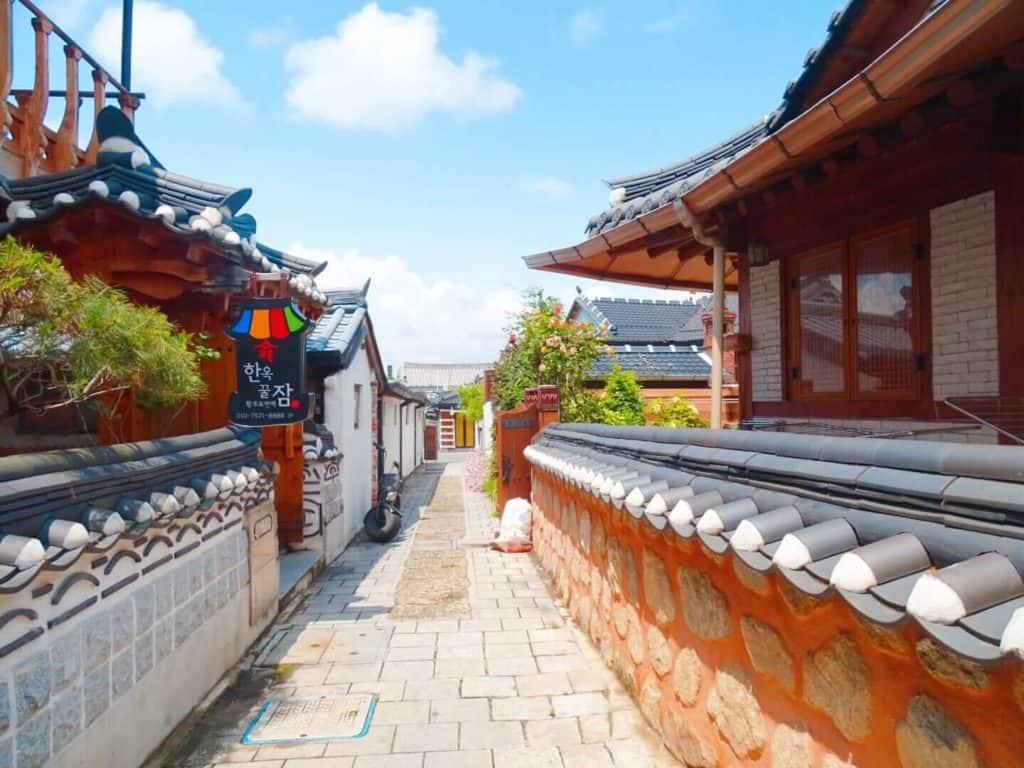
[734, 668]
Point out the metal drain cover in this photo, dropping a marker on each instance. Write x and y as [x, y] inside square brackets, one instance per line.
[323, 718]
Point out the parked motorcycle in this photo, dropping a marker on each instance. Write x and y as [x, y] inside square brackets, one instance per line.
[384, 519]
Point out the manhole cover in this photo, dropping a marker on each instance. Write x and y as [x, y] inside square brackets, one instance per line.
[314, 719]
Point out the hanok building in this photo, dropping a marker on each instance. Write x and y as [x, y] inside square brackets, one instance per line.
[665, 343]
[154, 550]
[440, 383]
[852, 601]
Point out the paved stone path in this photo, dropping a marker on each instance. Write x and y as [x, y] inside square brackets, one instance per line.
[491, 676]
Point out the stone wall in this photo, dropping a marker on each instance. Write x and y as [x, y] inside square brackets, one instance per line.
[99, 662]
[963, 279]
[736, 668]
[766, 332]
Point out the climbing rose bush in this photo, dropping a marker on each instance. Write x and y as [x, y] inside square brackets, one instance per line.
[546, 348]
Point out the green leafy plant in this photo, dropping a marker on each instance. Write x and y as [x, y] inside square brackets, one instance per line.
[72, 343]
[674, 412]
[621, 403]
[471, 399]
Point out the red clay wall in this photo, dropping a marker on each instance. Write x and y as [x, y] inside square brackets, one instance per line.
[736, 668]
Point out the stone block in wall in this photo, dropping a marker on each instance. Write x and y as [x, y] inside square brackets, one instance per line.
[96, 641]
[66, 660]
[7, 752]
[657, 589]
[5, 707]
[122, 626]
[32, 686]
[704, 606]
[685, 743]
[650, 702]
[67, 718]
[734, 710]
[659, 654]
[163, 638]
[790, 747]
[837, 681]
[950, 667]
[767, 651]
[122, 674]
[164, 593]
[32, 742]
[928, 737]
[144, 658]
[686, 676]
[97, 692]
[145, 608]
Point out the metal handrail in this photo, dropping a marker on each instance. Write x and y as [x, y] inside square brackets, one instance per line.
[984, 422]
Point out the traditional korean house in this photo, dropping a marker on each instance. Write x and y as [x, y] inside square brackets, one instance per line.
[440, 383]
[817, 588]
[349, 378]
[152, 547]
[665, 343]
[403, 428]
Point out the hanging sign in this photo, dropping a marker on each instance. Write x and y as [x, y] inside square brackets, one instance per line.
[270, 353]
[547, 399]
[530, 396]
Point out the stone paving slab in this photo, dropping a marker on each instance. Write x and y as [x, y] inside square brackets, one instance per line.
[496, 678]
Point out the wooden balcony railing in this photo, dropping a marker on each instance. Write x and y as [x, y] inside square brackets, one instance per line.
[29, 146]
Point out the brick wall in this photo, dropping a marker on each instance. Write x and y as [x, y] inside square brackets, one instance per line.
[766, 333]
[963, 276]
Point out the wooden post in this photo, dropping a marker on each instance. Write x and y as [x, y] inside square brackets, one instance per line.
[6, 68]
[32, 144]
[65, 154]
[99, 90]
[717, 331]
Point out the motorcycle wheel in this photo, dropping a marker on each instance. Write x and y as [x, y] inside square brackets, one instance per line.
[382, 524]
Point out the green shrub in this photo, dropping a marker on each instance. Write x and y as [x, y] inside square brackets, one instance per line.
[674, 412]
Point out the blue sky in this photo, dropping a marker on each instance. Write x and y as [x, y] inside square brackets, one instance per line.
[433, 146]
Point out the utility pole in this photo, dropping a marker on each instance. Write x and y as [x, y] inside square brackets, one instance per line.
[126, 45]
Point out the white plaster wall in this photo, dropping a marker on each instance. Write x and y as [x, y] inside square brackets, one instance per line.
[408, 439]
[963, 272]
[356, 445]
[392, 407]
[488, 426]
[766, 332]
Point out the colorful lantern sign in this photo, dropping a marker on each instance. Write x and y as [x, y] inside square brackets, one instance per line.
[270, 352]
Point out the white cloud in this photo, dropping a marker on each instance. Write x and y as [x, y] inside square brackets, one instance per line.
[421, 319]
[385, 71]
[69, 14]
[546, 185]
[271, 36]
[682, 16]
[584, 26]
[171, 61]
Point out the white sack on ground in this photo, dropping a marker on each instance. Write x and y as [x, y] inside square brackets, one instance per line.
[515, 534]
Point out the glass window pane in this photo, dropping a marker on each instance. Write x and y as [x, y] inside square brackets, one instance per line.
[885, 313]
[821, 323]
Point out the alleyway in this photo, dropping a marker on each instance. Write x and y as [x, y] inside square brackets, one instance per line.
[474, 663]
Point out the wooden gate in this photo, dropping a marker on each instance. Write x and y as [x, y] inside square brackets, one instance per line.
[516, 429]
[465, 431]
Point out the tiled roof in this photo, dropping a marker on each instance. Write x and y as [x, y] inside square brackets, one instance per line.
[338, 333]
[126, 175]
[648, 320]
[442, 375]
[55, 506]
[641, 193]
[900, 530]
[399, 390]
[654, 362]
[645, 192]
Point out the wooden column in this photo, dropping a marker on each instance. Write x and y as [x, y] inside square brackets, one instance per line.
[65, 154]
[1009, 145]
[717, 331]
